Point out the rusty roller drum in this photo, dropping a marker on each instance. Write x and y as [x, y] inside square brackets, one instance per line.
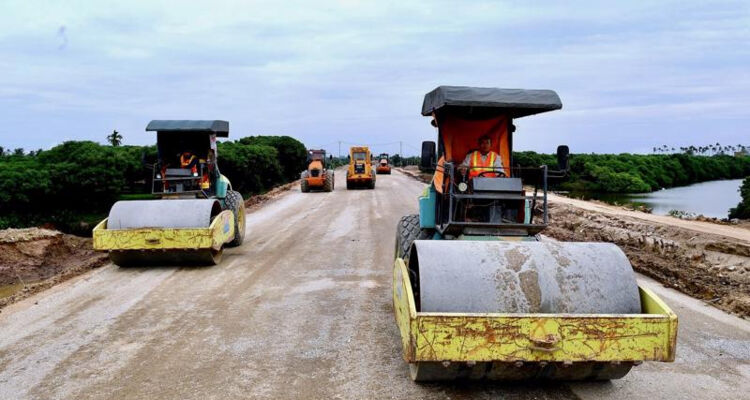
[522, 277]
[160, 214]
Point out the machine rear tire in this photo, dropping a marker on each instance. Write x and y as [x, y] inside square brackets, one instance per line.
[236, 203]
[407, 231]
[304, 186]
[328, 182]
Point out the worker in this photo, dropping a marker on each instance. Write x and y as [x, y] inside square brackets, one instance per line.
[484, 161]
[189, 161]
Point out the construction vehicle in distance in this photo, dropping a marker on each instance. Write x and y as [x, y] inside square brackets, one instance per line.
[478, 293]
[317, 175]
[360, 172]
[384, 164]
[197, 212]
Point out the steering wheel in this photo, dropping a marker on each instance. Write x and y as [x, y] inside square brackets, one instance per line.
[499, 173]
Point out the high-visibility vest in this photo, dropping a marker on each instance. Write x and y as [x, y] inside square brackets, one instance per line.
[477, 166]
[185, 162]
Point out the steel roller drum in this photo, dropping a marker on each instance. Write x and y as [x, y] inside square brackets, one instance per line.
[524, 277]
[188, 213]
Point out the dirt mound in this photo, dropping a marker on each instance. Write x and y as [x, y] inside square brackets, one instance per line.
[33, 259]
[709, 267]
[414, 172]
[257, 200]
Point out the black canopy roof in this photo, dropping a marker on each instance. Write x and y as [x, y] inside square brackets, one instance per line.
[220, 128]
[514, 102]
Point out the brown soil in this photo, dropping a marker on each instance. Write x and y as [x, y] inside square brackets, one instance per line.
[34, 259]
[710, 267]
[255, 202]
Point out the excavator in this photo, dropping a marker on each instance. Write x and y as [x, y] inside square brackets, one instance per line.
[480, 293]
[196, 214]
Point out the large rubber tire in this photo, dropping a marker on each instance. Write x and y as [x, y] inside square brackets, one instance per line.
[328, 182]
[407, 231]
[304, 186]
[236, 203]
[372, 182]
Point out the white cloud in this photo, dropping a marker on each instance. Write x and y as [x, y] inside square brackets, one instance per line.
[326, 71]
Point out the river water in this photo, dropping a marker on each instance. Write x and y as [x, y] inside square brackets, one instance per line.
[712, 199]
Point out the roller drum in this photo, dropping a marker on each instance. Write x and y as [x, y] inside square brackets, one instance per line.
[188, 213]
[523, 277]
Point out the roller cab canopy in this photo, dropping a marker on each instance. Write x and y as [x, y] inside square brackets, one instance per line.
[216, 127]
[463, 114]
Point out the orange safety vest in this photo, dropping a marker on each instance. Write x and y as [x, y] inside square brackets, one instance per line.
[477, 166]
[185, 162]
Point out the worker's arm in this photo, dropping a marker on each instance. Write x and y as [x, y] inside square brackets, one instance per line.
[193, 162]
[467, 161]
[498, 165]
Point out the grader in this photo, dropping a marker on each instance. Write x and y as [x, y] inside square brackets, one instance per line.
[197, 213]
[478, 293]
[360, 172]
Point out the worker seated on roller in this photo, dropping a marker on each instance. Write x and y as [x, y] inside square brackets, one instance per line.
[189, 161]
[482, 162]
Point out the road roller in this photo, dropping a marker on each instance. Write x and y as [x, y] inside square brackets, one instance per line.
[479, 293]
[318, 175]
[195, 213]
[384, 164]
[360, 173]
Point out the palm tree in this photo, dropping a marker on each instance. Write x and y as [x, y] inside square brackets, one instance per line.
[115, 139]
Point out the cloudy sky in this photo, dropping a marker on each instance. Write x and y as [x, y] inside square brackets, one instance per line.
[631, 75]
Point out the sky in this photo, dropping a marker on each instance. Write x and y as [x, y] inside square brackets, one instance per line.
[631, 75]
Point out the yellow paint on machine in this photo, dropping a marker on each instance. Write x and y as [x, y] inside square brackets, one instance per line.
[219, 232]
[649, 336]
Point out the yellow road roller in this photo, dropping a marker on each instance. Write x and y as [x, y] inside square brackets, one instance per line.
[478, 293]
[196, 214]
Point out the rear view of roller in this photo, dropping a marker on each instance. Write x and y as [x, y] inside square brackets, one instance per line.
[196, 214]
[478, 293]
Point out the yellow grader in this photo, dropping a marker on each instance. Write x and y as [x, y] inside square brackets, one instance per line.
[197, 213]
[478, 293]
[360, 172]
[317, 175]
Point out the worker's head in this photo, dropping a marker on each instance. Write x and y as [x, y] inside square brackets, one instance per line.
[485, 144]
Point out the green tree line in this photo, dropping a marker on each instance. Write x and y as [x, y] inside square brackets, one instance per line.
[635, 173]
[743, 209]
[72, 185]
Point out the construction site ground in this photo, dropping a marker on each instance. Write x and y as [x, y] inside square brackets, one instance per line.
[303, 310]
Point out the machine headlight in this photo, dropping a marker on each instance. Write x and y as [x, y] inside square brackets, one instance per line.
[158, 176]
[195, 174]
[462, 186]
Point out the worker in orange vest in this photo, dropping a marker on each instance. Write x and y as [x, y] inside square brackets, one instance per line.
[189, 161]
[484, 161]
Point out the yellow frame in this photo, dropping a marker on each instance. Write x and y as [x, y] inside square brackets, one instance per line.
[219, 232]
[649, 336]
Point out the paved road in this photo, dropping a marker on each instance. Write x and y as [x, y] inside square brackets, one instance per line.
[302, 310]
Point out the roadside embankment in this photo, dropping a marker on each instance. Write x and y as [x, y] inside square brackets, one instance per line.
[34, 259]
[707, 266]
[706, 260]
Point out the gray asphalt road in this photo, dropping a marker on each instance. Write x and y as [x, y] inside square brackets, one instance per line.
[301, 310]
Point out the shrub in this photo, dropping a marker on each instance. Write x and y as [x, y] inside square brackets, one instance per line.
[742, 210]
